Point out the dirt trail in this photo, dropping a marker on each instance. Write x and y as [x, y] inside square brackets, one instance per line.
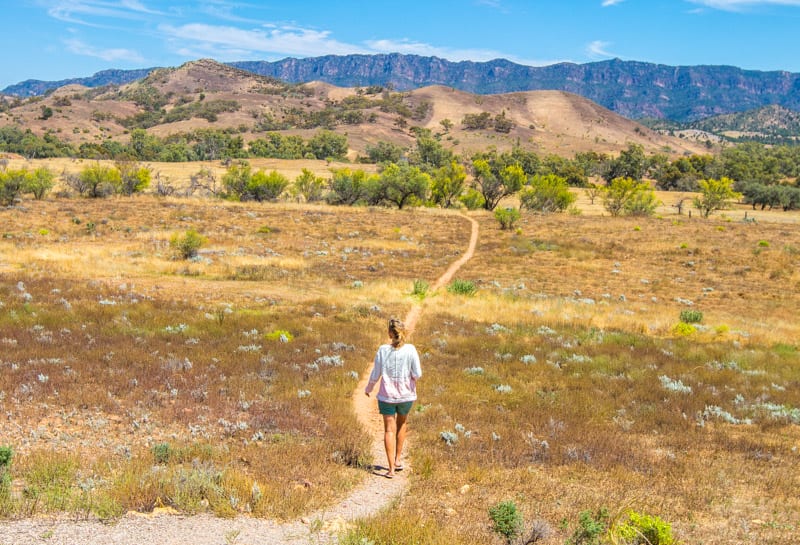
[166, 528]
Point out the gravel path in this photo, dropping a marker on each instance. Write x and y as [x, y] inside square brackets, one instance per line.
[165, 527]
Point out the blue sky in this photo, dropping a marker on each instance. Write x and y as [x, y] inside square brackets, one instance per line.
[58, 39]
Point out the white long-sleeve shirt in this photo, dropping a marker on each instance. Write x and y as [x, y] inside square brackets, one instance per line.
[398, 370]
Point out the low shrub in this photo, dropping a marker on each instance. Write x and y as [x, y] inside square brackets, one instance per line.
[643, 529]
[186, 246]
[6, 453]
[506, 520]
[691, 316]
[507, 217]
[462, 287]
[162, 453]
[420, 288]
[591, 528]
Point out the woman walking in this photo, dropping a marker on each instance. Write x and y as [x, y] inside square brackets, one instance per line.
[397, 366]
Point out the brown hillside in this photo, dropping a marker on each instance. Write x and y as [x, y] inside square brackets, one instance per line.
[545, 121]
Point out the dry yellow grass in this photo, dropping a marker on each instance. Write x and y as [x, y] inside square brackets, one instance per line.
[595, 299]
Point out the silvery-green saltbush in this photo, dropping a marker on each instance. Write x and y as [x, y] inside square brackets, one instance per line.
[544, 330]
[718, 412]
[579, 358]
[674, 385]
[494, 329]
[448, 437]
[779, 412]
[528, 359]
[331, 361]
[473, 370]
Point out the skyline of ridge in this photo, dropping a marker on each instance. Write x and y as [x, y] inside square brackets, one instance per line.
[53, 40]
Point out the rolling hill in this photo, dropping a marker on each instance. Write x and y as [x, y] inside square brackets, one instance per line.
[207, 94]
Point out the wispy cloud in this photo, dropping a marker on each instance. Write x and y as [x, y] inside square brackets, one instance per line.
[598, 49]
[428, 50]
[115, 54]
[223, 11]
[494, 4]
[741, 5]
[230, 40]
[607, 3]
[82, 11]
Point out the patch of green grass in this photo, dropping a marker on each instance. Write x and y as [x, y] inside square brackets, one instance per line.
[462, 287]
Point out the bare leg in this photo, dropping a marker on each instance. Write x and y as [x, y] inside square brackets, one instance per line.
[401, 437]
[390, 440]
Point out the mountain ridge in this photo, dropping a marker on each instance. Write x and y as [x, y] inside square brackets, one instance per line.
[633, 89]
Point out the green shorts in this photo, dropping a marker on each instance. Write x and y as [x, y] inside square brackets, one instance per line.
[390, 409]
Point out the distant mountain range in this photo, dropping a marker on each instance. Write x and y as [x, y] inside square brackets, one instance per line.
[633, 89]
[34, 87]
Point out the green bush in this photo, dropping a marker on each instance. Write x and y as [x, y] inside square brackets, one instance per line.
[162, 453]
[266, 187]
[507, 217]
[96, 181]
[506, 520]
[461, 287]
[472, 199]
[420, 288]
[591, 528]
[186, 246]
[546, 193]
[12, 185]
[691, 316]
[643, 529]
[6, 454]
[39, 183]
[309, 186]
[628, 196]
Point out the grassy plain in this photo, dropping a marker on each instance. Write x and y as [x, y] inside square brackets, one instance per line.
[130, 379]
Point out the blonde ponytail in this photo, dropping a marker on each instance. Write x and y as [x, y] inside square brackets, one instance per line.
[397, 331]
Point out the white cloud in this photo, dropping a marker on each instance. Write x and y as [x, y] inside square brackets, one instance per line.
[607, 3]
[451, 54]
[114, 54]
[279, 40]
[229, 42]
[740, 5]
[597, 48]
